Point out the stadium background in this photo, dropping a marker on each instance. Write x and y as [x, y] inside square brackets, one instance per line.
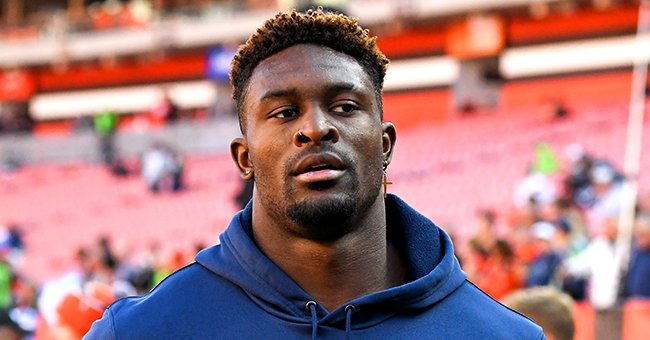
[473, 88]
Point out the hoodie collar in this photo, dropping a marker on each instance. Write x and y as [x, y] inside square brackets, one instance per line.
[433, 271]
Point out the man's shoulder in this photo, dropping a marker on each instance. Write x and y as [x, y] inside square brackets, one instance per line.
[193, 292]
[481, 310]
[187, 285]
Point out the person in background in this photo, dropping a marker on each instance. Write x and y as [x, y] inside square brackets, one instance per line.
[162, 168]
[9, 329]
[485, 237]
[542, 270]
[164, 112]
[577, 183]
[608, 189]
[598, 266]
[548, 307]
[105, 123]
[6, 276]
[500, 274]
[546, 161]
[638, 274]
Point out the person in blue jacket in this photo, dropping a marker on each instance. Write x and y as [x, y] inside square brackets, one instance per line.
[321, 251]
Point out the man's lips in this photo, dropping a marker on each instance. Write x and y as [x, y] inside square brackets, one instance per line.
[318, 167]
[320, 175]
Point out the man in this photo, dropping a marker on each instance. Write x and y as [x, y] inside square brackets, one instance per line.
[320, 251]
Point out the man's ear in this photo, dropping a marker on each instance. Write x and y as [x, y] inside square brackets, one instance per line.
[239, 153]
[389, 136]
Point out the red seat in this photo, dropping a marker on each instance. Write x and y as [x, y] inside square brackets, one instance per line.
[636, 320]
[584, 318]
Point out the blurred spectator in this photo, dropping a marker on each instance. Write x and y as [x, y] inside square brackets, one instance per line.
[166, 111]
[485, 237]
[9, 329]
[24, 311]
[644, 203]
[54, 291]
[548, 307]
[543, 269]
[597, 264]
[6, 278]
[569, 219]
[545, 160]
[162, 168]
[638, 275]
[165, 265]
[105, 126]
[71, 303]
[9, 163]
[108, 258]
[475, 263]
[14, 117]
[554, 110]
[139, 276]
[578, 181]
[499, 274]
[83, 122]
[535, 189]
[608, 193]
[559, 109]
[12, 244]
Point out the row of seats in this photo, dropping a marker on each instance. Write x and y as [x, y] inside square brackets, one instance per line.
[446, 169]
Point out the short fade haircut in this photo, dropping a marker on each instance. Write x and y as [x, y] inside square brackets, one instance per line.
[286, 29]
[548, 307]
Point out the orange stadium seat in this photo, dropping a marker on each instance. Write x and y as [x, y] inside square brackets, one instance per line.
[584, 318]
[636, 320]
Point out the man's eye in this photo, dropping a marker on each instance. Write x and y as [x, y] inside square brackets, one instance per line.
[286, 113]
[345, 108]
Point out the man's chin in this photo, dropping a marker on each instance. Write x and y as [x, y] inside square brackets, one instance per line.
[325, 216]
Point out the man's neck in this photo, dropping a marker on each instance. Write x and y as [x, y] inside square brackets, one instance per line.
[334, 272]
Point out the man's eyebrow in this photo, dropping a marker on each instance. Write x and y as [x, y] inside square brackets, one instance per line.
[283, 93]
[341, 87]
[330, 89]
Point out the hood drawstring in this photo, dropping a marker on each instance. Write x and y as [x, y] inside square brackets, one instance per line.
[311, 306]
[348, 321]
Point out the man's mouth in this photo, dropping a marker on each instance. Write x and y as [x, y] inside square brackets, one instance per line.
[318, 168]
[321, 175]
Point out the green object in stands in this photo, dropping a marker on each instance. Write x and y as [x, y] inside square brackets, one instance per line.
[105, 122]
[545, 160]
[5, 285]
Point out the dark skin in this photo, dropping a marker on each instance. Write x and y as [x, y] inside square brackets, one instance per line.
[315, 144]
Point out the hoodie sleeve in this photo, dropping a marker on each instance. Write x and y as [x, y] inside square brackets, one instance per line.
[102, 328]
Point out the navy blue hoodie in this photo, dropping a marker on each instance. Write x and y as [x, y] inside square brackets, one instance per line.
[233, 291]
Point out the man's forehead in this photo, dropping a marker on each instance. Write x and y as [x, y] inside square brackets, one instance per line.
[306, 55]
[305, 62]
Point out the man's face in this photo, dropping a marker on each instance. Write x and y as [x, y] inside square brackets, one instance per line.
[313, 139]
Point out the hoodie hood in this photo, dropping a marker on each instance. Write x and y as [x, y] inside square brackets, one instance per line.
[433, 272]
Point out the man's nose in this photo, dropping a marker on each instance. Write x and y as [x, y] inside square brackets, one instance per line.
[315, 128]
